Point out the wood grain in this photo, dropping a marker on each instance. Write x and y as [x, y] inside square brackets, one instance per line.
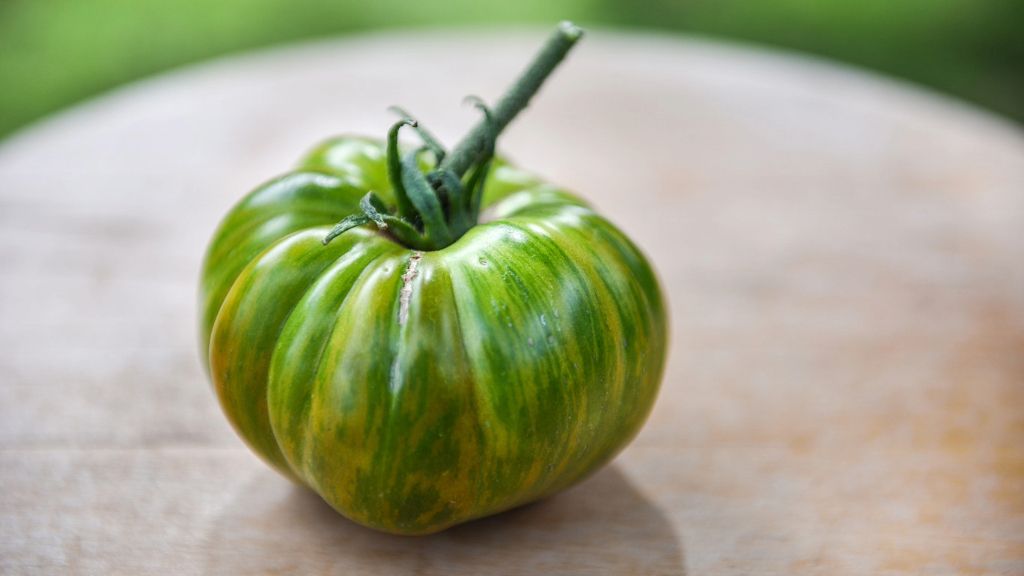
[844, 258]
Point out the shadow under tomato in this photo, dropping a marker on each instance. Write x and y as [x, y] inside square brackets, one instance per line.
[603, 525]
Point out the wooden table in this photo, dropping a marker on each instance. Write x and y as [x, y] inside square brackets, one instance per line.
[844, 258]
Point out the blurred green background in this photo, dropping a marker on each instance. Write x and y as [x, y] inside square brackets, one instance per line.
[56, 52]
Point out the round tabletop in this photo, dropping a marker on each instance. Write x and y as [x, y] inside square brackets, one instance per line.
[843, 257]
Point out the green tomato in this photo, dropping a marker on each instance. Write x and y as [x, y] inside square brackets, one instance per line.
[514, 351]
[416, 390]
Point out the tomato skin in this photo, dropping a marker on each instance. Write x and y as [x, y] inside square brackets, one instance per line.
[418, 390]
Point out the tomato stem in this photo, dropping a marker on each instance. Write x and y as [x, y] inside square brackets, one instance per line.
[435, 209]
[473, 147]
[394, 163]
[431, 141]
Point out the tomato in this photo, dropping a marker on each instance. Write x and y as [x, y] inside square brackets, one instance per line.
[421, 380]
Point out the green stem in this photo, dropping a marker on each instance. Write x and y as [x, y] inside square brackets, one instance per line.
[427, 136]
[424, 199]
[394, 161]
[435, 210]
[473, 146]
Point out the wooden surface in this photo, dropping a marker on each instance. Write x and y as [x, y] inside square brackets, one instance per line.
[844, 258]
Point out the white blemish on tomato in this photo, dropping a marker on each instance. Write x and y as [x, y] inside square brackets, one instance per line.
[406, 293]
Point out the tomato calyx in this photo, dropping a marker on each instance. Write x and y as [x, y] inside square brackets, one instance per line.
[435, 208]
